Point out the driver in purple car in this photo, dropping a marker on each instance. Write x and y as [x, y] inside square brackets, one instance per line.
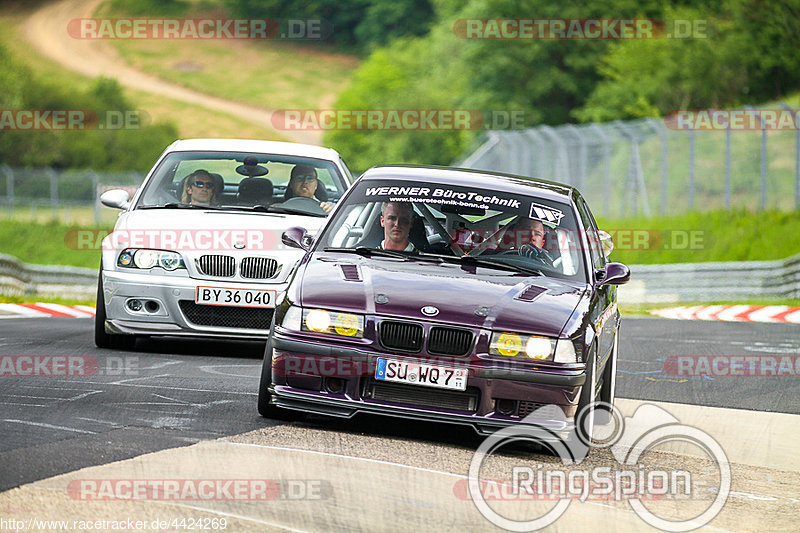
[396, 220]
[304, 183]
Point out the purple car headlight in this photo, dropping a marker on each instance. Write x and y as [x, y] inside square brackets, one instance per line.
[324, 321]
[532, 347]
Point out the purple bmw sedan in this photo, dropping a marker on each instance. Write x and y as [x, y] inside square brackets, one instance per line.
[448, 295]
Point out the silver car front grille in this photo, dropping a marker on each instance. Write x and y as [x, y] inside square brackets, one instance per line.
[219, 266]
[224, 266]
[258, 267]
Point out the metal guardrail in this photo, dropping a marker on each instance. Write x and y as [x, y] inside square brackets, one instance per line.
[706, 282]
[20, 279]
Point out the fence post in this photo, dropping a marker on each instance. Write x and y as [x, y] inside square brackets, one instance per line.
[763, 169]
[582, 155]
[728, 168]
[663, 136]
[796, 157]
[7, 170]
[53, 191]
[691, 168]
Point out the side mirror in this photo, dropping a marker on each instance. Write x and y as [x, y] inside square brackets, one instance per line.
[606, 241]
[616, 274]
[116, 198]
[296, 237]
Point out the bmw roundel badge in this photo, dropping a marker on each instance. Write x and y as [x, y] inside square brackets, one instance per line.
[429, 310]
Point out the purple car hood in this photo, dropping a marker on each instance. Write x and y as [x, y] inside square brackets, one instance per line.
[389, 287]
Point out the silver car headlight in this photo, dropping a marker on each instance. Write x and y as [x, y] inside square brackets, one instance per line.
[145, 259]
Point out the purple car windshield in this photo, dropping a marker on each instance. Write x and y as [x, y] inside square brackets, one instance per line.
[526, 232]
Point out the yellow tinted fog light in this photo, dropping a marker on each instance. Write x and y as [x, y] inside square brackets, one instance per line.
[346, 324]
[508, 344]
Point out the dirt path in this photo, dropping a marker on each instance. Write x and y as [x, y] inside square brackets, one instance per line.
[46, 30]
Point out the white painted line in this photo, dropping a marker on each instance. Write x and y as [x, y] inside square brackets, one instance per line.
[48, 426]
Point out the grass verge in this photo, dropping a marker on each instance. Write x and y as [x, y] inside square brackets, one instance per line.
[46, 243]
[700, 237]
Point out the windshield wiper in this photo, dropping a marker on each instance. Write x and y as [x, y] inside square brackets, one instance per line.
[367, 252]
[486, 262]
[291, 211]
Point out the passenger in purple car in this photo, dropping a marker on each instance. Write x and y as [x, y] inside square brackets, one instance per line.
[396, 220]
[533, 231]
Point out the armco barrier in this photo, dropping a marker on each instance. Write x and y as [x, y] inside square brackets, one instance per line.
[706, 282]
[18, 278]
[675, 283]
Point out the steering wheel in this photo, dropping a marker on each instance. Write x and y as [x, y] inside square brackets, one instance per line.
[304, 203]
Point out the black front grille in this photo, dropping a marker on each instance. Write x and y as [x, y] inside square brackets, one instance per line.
[400, 335]
[526, 407]
[258, 267]
[220, 266]
[225, 316]
[449, 341]
[422, 396]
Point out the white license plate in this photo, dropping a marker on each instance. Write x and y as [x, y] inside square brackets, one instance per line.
[235, 297]
[443, 377]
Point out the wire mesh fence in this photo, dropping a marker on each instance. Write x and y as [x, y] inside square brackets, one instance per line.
[65, 195]
[649, 167]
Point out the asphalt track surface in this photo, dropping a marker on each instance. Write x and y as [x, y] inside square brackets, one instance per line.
[171, 393]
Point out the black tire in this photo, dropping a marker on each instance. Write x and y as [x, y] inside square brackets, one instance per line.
[608, 392]
[102, 339]
[266, 408]
[584, 418]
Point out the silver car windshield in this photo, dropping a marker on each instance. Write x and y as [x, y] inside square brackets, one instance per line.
[235, 181]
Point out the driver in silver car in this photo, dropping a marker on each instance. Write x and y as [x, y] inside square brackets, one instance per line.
[304, 183]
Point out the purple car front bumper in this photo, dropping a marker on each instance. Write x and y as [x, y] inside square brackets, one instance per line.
[338, 380]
